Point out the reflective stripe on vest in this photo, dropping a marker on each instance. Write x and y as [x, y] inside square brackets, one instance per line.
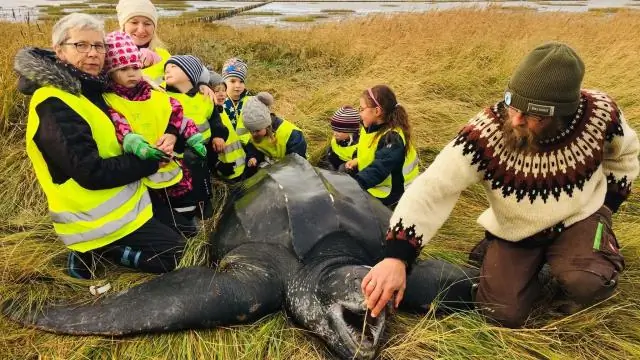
[103, 209]
[155, 72]
[345, 153]
[197, 108]
[87, 219]
[233, 151]
[367, 147]
[108, 228]
[410, 171]
[276, 150]
[149, 118]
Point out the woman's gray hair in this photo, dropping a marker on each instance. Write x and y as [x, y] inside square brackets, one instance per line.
[60, 31]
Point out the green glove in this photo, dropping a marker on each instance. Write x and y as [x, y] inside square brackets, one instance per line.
[196, 143]
[135, 144]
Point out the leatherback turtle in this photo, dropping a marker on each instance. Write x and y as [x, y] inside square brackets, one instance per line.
[298, 237]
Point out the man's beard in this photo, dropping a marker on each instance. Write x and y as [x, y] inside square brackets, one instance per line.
[522, 139]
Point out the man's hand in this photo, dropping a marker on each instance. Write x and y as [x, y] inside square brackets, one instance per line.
[252, 162]
[385, 281]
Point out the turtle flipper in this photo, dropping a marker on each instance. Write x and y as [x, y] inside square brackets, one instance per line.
[436, 281]
[247, 286]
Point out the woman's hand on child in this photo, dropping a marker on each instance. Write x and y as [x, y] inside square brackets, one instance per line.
[166, 143]
[351, 164]
[252, 162]
[218, 144]
[149, 57]
[208, 92]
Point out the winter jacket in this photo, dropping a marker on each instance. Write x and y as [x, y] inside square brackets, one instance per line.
[63, 137]
[389, 159]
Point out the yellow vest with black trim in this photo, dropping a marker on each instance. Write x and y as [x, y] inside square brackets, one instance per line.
[233, 151]
[243, 133]
[276, 150]
[149, 118]
[345, 153]
[197, 108]
[156, 71]
[367, 146]
[87, 219]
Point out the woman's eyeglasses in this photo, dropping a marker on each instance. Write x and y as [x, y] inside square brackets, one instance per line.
[84, 47]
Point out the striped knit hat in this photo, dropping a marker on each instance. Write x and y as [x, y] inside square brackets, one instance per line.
[346, 120]
[234, 67]
[191, 65]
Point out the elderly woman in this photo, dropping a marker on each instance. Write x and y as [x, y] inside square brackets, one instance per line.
[139, 19]
[99, 207]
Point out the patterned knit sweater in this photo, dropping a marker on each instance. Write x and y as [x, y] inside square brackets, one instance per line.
[591, 163]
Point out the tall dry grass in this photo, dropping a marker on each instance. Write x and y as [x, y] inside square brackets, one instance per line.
[444, 66]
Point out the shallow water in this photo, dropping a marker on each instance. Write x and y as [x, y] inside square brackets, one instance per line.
[26, 8]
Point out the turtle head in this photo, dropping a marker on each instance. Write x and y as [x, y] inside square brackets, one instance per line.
[334, 309]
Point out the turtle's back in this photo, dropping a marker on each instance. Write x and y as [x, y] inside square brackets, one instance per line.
[295, 205]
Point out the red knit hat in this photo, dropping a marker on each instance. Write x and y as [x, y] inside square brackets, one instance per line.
[121, 52]
[346, 120]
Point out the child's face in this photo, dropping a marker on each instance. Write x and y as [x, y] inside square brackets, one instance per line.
[340, 136]
[235, 87]
[220, 93]
[173, 75]
[258, 135]
[370, 114]
[128, 76]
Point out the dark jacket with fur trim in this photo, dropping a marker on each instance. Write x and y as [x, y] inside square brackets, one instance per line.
[63, 136]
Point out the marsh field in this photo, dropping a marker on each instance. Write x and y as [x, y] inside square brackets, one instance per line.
[444, 66]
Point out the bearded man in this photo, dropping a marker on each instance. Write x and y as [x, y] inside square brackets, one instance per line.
[555, 161]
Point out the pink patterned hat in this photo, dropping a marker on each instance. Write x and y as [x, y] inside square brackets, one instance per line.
[121, 52]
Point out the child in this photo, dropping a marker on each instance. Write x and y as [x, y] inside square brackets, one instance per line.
[182, 74]
[234, 73]
[386, 159]
[271, 137]
[345, 124]
[143, 115]
[219, 87]
[227, 156]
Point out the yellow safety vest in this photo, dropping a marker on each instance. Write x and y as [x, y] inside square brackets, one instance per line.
[197, 108]
[276, 151]
[87, 219]
[149, 118]
[345, 153]
[366, 155]
[243, 133]
[233, 151]
[156, 71]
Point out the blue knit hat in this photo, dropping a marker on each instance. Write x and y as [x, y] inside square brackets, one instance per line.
[234, 67]
[191, 65]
